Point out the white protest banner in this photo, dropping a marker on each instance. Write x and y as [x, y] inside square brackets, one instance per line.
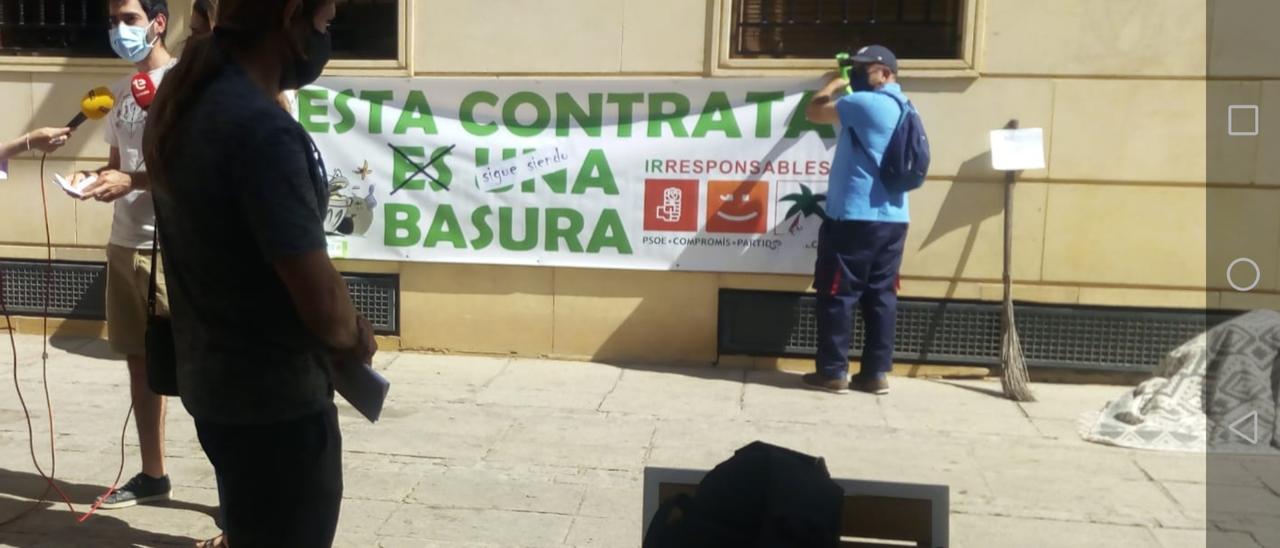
[718, 175]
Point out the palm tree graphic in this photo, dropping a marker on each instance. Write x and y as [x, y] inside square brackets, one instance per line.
[807, 204]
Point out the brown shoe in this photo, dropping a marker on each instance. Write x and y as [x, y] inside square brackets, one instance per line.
[871, 385]
[818, 382]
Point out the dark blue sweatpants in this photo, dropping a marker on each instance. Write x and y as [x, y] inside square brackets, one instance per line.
[857, 264]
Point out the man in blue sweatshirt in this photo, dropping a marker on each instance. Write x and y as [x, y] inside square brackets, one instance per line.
[860, 246]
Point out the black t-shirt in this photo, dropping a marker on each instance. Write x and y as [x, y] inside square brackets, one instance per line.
[246, 188]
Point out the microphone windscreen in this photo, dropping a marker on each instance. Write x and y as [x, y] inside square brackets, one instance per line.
[97, 103]
[143, 89]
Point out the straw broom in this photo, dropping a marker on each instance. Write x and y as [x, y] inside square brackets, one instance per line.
[1014, 377]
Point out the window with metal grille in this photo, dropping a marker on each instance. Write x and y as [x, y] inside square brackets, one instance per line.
[363, 29]
[819, 29]
[62, 28]
[366, 30]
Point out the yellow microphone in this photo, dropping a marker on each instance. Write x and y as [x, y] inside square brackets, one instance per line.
[95, 105]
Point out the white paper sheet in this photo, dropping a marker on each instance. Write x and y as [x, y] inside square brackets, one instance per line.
[526, 166]
[362, 387]
[1017, 149]
[76, 190]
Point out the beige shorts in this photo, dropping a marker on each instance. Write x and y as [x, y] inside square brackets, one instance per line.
[128, 283]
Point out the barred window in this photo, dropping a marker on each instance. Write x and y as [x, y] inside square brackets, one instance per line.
[818, 29]
[64, 28]
[366, 30]
[363, 29]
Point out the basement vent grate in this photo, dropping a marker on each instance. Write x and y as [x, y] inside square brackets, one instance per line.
[960, 332]
[78, 291]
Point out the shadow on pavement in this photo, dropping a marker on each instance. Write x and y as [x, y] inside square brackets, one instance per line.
[53, 524]
[81, 346]
[981, 390]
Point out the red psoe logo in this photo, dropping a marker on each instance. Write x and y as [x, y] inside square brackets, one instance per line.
[670, 205]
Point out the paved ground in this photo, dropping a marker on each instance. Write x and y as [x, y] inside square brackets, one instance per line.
[509, 452]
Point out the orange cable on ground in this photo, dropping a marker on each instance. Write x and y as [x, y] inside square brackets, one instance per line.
[50, 478]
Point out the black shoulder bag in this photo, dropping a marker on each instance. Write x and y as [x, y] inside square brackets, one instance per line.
[162, 358]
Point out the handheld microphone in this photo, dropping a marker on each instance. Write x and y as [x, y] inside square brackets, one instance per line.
[95, 105]
[143, 89]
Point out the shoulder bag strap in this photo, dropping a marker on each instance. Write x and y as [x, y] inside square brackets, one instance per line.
[905, 105]
[155, 264]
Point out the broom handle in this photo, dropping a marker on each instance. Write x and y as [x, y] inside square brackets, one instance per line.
[1010, 177]
[1008, 234]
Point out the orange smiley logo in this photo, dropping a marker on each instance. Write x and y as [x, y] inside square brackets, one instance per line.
[740, 207]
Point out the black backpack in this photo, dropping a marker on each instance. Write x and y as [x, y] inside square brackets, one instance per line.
[764, 496]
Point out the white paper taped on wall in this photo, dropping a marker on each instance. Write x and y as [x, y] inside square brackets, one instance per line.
[76, 190]
[1017, 149]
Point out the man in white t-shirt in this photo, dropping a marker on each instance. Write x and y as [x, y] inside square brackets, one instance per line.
[137, 35]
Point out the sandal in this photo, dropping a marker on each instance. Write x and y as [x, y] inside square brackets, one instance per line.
[219, 541]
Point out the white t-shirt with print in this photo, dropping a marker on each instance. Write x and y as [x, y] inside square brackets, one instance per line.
[134, 221]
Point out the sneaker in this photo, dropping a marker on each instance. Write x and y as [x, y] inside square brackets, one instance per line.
[871, 384]
[818, 382]
[142, 489]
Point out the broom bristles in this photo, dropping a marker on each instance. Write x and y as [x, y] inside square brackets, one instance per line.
[1014, 379]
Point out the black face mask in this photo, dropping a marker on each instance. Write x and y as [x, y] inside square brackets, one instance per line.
[304, 71]
[859, 80]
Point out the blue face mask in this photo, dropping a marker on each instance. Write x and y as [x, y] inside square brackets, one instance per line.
[130, 43]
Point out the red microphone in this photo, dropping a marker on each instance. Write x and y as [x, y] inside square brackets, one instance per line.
[143, 89]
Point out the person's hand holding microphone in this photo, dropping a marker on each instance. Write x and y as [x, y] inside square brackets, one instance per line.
[47, 139]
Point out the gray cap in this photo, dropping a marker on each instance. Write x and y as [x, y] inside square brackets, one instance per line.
[877, 54]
